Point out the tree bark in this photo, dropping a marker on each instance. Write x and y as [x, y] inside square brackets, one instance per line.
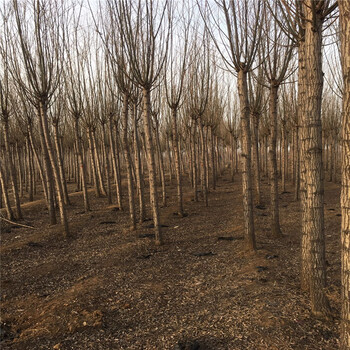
[203, 163]
[40, 168]
[249, 233]
[93, 163]
[284, 157]
[115, 163]
[314, 177]
[212, 156]
[106, 158]
[177, 161]
[20, 170]
[60, 163]
[81, 164]
[56, 173]
[98, 164]
[297, 165]
[5, 195]
[170, 166]
[150, 163]
[344, 9]
[47, 173]
[12, 170]
[194, 161]
[30, 170]
[305, 244]
[233, 166]
[138, 168]
[161, 162]
[275, 220]
[256, 160]
[128, 161]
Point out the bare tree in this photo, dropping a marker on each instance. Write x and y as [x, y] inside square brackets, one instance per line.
[199, 87]
[256, 99]
[276, 55]
[176, 65]
[41, 55]
[304, 21]
[232, 118]
[144, 30]
[5, 107]
[136, 115]
[75, 102]
[243, 22]
[315, 14]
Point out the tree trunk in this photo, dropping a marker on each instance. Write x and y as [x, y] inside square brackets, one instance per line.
[203, 163]
[151, 163]
[128, 161]
[81, 163]
[206, 155]
[40, 169]
[266, 168]
[312, 141]
[344, 9]
[161, 163]
[275, 220]
[93, 163]
[170, 167]
[177, 162]
[47, 173]
[194, 160]
[11, 168]
[335, 159]
[297, 165]
[60, 164]
[236, 154]
[331, 162]
[233, 166]
[138, 169]
[5, 195]
[249, 234]
[305, 244]
[115, 163]
[108, 170]
[20, 170]
[30, 170]
[98, 164]
[212, 155]
[284, 157]
[256, 160]
[56, 173]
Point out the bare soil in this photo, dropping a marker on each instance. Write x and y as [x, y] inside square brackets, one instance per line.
[112, 288]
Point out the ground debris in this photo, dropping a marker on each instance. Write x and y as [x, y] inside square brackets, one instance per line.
[204, 254]
[111, 288]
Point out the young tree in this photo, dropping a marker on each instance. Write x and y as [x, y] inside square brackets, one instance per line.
[40, 50]
[241, 31]
[5, 108]
[175, 69]
[256, 99]
[199, 87]
[73, 76]
[145, 31]
[276, 56]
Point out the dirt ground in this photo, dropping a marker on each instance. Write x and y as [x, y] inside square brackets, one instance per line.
[112, 288]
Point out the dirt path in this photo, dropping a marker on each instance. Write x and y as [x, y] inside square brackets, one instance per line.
[111, 288]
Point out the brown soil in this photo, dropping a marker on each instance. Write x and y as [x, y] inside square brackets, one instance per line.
[107, 288]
